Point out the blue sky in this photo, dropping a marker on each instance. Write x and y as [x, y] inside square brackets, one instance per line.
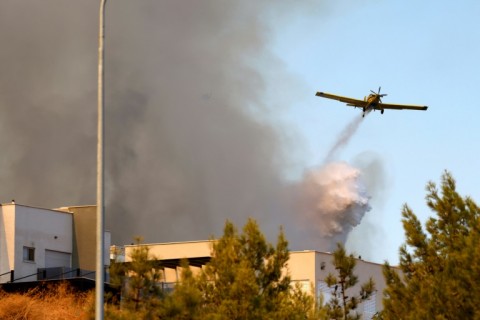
[420, 52]
[219, 56]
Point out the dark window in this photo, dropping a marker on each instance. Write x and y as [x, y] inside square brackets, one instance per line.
[28, 254]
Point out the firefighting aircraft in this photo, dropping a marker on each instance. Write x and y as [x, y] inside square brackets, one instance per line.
[372, 102]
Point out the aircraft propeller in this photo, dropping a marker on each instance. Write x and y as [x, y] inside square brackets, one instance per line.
[378, 93]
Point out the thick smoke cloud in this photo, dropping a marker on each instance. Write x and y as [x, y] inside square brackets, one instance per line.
[191, 134]
[190, 137]
[47, 99]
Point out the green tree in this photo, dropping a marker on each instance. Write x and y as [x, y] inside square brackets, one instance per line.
[137, 281]
[344, 303]
[440, 265]
[186, 301]
[245, 279]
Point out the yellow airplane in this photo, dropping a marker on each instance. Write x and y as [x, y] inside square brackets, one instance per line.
[372, 102]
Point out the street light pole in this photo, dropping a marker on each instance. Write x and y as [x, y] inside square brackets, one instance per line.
[100, 266]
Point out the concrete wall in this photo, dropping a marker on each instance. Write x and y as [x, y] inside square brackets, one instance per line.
[7, 240]
[301, 268]
[174, 250]
[315, 266]
[84, 234]
[41, 229]
[364, 270]
[67, 234]
[85, 237]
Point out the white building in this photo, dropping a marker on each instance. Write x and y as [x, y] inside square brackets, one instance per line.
[36, 242]
[309, 268]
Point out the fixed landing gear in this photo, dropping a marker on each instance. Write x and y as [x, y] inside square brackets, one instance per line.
[381, 112]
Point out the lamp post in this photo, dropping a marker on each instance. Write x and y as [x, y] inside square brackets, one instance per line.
[100, 265]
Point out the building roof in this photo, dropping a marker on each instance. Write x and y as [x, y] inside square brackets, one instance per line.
[13, 203]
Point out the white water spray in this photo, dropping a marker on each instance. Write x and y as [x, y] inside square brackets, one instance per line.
[345, 136]
[333, 200]
[332, 197]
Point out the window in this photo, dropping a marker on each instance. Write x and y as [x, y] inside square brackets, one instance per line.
[369, 306]
[324, 292]
[28, 254]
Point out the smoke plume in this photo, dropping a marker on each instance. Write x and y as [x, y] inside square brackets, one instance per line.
[190, 130]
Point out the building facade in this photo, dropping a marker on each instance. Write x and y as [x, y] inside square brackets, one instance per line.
[308, 268]
[38, 243]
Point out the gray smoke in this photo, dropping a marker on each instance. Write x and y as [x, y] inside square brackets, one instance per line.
[191, 134]
[191, 140]
[364, 238]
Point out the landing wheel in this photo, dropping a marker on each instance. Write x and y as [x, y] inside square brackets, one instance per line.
[382, 111]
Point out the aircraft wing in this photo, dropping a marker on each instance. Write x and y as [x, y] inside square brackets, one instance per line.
[349, 101]
[401, 106]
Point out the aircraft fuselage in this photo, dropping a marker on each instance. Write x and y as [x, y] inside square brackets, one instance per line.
[373, 101]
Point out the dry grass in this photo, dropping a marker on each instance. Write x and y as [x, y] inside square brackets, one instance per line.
[58, 302]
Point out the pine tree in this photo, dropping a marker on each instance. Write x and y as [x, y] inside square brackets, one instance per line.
[138, 280]
[245, 279]
[440, 264]
[344, 303]
[186, 301]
